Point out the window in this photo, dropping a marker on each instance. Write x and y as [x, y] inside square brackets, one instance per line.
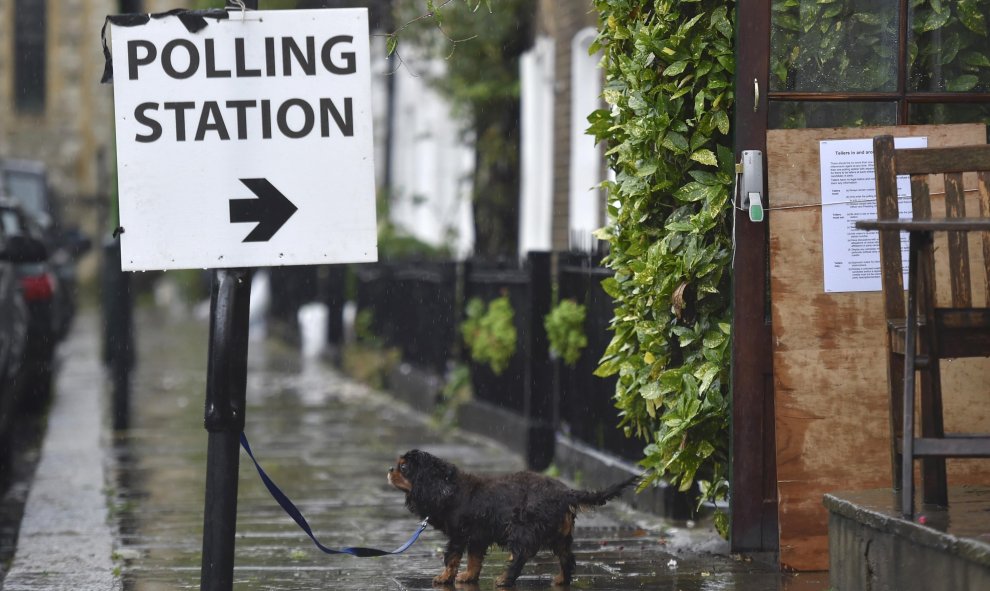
[849, 63]
[536, 72]
[586, 162]
[30, 25]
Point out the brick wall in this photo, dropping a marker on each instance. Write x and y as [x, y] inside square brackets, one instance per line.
[562, 21]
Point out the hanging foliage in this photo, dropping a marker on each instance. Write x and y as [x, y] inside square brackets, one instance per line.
[565, 330]
[669, 88]
[489, 332]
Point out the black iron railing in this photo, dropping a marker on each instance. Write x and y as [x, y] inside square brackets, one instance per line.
[417, 307]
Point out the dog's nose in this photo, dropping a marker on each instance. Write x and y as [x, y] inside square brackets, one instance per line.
[391, 468]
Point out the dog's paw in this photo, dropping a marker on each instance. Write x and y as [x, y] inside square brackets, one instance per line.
[504, 581]
[467, 578]
[561, 581]
[444, 579]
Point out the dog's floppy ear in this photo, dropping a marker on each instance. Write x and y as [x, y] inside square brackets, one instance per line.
[447, 481]
[434, 481]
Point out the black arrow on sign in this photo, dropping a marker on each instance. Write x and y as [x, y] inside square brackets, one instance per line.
[271, 210]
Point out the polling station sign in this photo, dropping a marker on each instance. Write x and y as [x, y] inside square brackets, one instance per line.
[245, 143]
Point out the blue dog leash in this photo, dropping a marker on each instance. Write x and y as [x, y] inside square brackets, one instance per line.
[294, 513]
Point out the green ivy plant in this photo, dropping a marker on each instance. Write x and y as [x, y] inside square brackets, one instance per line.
[364, 327]
[455, 392]
[565, 330]
[668, 68]
[489, 332]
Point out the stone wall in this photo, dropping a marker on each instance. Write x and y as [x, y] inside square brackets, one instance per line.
[73, 132]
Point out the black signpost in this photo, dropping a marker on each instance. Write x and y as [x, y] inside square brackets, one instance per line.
[226, 385]
[151, 97]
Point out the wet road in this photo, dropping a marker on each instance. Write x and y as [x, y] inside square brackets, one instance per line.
[327, 442]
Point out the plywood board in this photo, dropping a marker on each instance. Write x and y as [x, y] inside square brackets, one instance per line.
[829, 363]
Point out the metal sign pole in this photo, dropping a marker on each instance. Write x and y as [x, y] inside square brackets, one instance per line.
[226, 383]
[333, 85]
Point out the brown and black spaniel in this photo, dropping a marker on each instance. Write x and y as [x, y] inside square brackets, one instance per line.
[523, 512]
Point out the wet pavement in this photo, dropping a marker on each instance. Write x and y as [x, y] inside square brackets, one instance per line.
[19, 460]
[65, 540]
[327, 441]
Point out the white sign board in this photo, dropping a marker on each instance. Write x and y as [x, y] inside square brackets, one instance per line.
[247, 143]
[852, 256]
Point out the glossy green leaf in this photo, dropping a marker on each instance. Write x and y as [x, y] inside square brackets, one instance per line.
[973, 15]
[705, 156]
[962, 83]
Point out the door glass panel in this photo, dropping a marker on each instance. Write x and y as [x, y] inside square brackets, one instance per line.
[833, 45]
[949, 113]
[926, 113]
[799, 114]
[949, 46]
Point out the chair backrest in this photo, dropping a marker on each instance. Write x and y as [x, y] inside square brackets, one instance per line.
[949, 165]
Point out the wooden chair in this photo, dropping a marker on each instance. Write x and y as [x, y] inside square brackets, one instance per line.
[923, 331]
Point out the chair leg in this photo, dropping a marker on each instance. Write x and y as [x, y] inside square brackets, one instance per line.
[907, 446]
[933, 482]
[910, 346]
[895, 376]
[933, 479]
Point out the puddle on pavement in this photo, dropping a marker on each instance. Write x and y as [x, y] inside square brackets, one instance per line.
[328, 443]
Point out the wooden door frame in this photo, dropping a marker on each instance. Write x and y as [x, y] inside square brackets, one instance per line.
[753, 497]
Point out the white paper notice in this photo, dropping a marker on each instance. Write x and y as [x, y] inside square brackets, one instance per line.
[851, 256]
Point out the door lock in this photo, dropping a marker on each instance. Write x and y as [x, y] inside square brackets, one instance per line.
[750, 181]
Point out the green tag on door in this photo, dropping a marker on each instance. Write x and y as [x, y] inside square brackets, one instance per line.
[755, 208]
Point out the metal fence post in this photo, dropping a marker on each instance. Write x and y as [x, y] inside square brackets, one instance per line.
[539, 409]
[118, 334]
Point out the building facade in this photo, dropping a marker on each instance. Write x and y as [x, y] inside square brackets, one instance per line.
[561, 202]
[53, 109]
[52, 105]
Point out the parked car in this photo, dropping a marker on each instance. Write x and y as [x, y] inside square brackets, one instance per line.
[13, 322]
[26, 181]
[39, 290]
[18, 250]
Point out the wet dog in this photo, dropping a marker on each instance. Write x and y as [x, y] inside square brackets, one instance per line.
[523, 512]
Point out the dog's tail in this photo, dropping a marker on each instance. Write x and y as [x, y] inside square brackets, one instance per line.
[597, 498]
